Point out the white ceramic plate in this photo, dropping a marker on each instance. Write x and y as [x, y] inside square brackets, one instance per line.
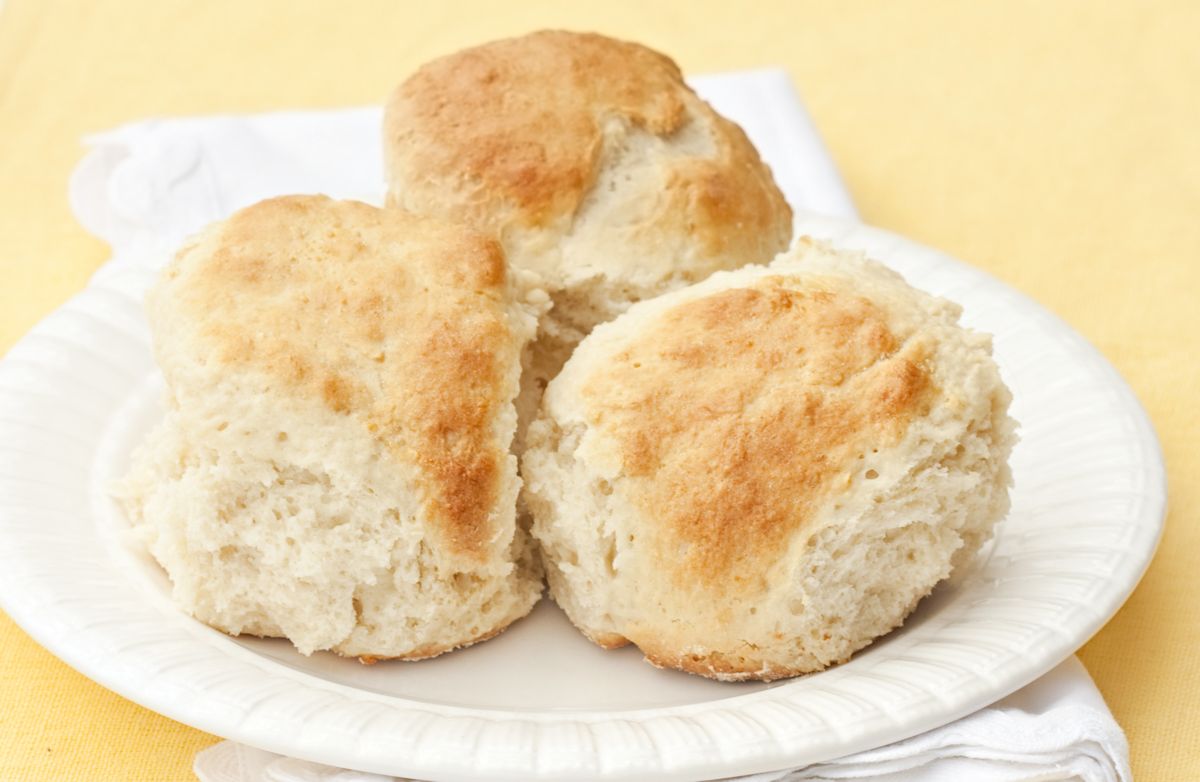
[540, 701]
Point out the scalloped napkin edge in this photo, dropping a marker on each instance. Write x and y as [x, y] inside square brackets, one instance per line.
[144, 187]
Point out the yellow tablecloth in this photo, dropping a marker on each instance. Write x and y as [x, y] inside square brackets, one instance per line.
[1056, 145]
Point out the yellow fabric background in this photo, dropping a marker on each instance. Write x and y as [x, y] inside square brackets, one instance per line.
[1056, 145]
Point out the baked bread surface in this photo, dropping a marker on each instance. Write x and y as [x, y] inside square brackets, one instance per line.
[600, 170]
[756, 476]
[334, 464]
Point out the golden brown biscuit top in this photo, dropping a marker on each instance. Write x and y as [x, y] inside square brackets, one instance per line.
[736, 414]
[522, 116]
[513, 133]
[394, 320]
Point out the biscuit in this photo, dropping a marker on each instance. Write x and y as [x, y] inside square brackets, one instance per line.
[334, 464]
[756, 476]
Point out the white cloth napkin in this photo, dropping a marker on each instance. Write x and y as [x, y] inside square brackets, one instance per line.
[144, 187]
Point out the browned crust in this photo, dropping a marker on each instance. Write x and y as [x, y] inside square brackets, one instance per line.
[730, 202]
[420, 653]
[769, 393]
[433, 650]
[607, 640]
[513, 130]
[519, 119]
[747, 663]
[726, 668]
[396, 321]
